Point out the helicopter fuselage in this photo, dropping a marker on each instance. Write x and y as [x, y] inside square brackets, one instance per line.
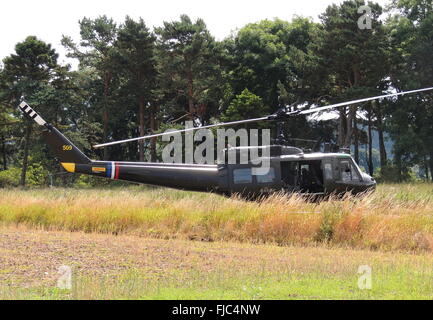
[314, 173]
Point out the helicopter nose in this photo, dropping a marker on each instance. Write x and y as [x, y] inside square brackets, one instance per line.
[370, 181]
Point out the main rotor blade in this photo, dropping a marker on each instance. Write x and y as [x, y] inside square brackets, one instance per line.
[183, 130]
[342, 104]
[276, 117]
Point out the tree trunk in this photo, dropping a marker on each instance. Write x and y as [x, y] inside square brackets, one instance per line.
[352, 109]
[349, 126]
[356, 133]
[342, 128]
[26, 154]
[191, 108]
[382, 149]
[431, 165]
[141, 111]
[105, 130]
[153, 129]
[426, 168]
[370, 144]
[105, 116]
[5, 166]
[399, 167]
[366, 154]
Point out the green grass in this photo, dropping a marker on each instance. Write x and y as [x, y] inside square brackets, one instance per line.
[396, 284]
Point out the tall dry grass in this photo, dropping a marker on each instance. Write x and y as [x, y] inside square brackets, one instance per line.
[396, 217]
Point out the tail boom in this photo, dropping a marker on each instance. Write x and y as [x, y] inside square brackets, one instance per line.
[186, 177]
[180, 176]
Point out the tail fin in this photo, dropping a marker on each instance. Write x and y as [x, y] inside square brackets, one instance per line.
[64, 150]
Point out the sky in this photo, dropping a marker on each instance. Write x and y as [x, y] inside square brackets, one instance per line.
[50, 19]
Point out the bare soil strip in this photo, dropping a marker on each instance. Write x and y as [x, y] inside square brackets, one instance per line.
[31, 257]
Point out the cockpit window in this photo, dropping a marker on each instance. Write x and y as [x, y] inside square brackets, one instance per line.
[358, 169]
[349, 171]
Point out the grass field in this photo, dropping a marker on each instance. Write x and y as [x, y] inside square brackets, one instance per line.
[136, 243]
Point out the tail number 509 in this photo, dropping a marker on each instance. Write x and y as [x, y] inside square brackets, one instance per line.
[67, 147]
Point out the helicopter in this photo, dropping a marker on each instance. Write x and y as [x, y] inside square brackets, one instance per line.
[291, 170]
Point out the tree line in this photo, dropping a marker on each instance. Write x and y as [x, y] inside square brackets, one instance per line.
[133, 80]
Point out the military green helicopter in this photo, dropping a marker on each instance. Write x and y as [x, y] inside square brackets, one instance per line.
[290, 168]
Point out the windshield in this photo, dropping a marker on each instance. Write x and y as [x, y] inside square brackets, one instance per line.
[357, 168]
[349, 170]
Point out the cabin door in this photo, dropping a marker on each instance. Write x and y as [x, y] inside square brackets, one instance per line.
[304, 176]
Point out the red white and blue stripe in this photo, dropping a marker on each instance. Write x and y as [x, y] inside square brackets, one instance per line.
[113, 170]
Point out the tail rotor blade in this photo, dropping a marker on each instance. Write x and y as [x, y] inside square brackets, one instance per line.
[29, 112]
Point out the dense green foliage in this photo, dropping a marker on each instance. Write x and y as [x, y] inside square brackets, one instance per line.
[132, 80]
